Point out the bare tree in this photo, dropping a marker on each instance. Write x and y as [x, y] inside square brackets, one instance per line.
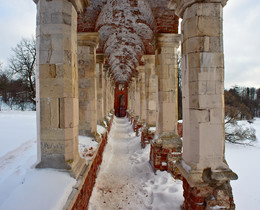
[22, 64]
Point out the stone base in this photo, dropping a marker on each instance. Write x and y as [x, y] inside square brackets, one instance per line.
[207, 197]
[137, 125]
[163, 151]
[146, 137]
[83, 132]
[174, 171]
[73, 168]
[207, 188]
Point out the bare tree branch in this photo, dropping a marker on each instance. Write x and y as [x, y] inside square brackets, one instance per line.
[22, 64]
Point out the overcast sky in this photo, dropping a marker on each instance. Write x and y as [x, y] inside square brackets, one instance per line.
[241, 36]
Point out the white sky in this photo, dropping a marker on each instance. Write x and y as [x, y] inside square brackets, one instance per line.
[241, 36]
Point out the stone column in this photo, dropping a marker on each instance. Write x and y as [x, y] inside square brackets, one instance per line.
[100, 113]
[56, 85]
[150, 102]
[141, 70]
[110, 88]
[137, 98]
[112, 96]
[203, 164]
[87, 44]
[133, 97]
[108, 93]
[104, 81]
[129, 87]
[167, 144]
[150, 85]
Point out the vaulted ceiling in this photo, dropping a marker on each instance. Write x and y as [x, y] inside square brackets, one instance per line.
[127, 29]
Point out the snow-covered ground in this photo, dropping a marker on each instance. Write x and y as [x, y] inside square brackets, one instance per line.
[125, 175]
[244, 160]
[22, 187]
[126, 179]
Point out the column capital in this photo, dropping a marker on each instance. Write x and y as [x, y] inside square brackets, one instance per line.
[180, 5]
[100, 58]
[148, 59]
[140, 68]
[88, 39]
[168, 40]
[79, 5]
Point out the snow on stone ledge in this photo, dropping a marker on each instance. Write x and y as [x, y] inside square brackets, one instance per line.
[185, 166]
[101, 129]
[152, 129]
[87, 147]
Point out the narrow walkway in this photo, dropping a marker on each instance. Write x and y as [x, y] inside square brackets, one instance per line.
[126, 179]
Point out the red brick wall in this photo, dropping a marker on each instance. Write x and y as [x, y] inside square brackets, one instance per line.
[166, 20]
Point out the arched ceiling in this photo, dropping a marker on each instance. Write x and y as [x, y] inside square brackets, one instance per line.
[127, 29]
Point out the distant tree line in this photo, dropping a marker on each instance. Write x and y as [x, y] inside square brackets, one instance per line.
[17, 80]
[242, 103]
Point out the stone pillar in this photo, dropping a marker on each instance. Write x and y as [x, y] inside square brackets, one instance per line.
[108, 93]
[150, 102]
[166, 145]
[87, 44]
[203, 164]
[100, 112]
[111, 90]
[150, 90]
[141, 70]
[56, 85]
[133, 96]
[137, 98]
[104, 83]
[129, 89]
[112, 96]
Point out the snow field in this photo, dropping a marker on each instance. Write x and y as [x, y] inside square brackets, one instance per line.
[16, 128]
[244, 160]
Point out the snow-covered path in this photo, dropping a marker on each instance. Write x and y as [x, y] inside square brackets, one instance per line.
[126, 179]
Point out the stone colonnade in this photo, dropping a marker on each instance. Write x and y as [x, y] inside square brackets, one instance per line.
[156, 104]
[68, 85]
[205, 173]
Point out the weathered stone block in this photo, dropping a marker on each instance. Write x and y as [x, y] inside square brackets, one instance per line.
[68, 113]
[211, 101]
[204, 9]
